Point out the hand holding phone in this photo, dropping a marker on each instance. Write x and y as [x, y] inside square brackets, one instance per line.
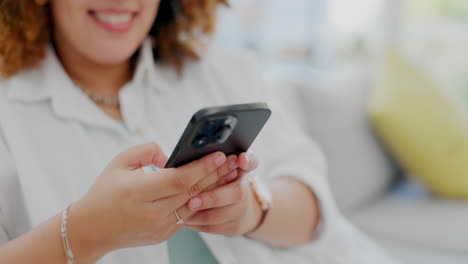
[230, 129]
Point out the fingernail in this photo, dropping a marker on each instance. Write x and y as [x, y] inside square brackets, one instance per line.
[233, 163]
[248, 157]
[220, 159]
[195, 203]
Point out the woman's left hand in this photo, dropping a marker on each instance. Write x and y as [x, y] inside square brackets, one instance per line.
[230, 209]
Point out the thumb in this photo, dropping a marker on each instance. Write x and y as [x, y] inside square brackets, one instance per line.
[140, 156]
[248, 161]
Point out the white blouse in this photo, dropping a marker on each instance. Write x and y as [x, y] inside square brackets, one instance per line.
[54, 142]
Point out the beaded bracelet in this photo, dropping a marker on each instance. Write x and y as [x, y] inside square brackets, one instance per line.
[63, 231]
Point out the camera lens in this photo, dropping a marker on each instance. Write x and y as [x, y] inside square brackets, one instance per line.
[200, 142]
[211, 126]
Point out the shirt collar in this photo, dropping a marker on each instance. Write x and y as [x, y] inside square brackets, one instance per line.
[49, 81]
[156, 76]
[145, 64]
[37, 83]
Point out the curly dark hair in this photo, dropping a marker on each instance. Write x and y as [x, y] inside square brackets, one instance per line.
[26, 29]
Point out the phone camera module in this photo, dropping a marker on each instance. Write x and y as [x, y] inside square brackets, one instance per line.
[211, 126]
[201, 142]
[227, 127]
[215, 130]
[223, 134]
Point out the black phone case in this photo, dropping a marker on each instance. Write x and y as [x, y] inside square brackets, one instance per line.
[251, 118]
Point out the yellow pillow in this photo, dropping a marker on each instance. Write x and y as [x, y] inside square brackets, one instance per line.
[424, 128]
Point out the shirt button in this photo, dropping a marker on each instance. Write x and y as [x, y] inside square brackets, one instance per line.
[138, 132]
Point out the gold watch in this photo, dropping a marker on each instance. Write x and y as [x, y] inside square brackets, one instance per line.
[263, 196]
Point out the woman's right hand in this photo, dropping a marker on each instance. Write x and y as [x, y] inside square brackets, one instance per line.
[127, 207]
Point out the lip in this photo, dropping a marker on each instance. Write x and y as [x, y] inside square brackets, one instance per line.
[113, 27]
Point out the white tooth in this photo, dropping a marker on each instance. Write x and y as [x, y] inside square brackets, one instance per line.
[114, 19]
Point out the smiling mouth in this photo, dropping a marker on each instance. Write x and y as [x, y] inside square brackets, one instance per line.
[113, 20]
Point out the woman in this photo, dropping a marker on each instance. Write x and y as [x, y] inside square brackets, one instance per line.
[84, 80]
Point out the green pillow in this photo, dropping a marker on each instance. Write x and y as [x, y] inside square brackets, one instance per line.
[424, 128]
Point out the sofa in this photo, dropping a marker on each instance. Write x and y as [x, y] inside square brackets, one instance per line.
[370, 188]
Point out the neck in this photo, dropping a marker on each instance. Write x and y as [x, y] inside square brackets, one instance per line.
[98, 79]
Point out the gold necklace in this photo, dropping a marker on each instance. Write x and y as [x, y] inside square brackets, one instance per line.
[111, 101]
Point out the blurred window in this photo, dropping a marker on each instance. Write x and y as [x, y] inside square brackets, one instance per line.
[434, 35]
[284, 33]
[358, 30]
[297, 35]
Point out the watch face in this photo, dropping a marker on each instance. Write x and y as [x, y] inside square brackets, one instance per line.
[263, 193]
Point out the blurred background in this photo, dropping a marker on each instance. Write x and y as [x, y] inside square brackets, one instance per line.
[382, 86]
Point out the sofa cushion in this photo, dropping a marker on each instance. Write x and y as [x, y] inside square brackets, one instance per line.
[425, 129]
[431, 224]
[333, 111]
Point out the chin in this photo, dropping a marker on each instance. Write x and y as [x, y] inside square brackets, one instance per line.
[113, 54]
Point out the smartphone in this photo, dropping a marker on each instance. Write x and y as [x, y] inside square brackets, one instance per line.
[230, 129]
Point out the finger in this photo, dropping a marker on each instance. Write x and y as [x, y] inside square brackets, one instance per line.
[183, 212]
[228, 177]
[206, 182]
[169, 182]
[247, 161]
[140, 156]
[225, 195]
[215, 216]
[231, 176]
[171, 220]
[175, 201]
[228, 229]
[205, 165]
